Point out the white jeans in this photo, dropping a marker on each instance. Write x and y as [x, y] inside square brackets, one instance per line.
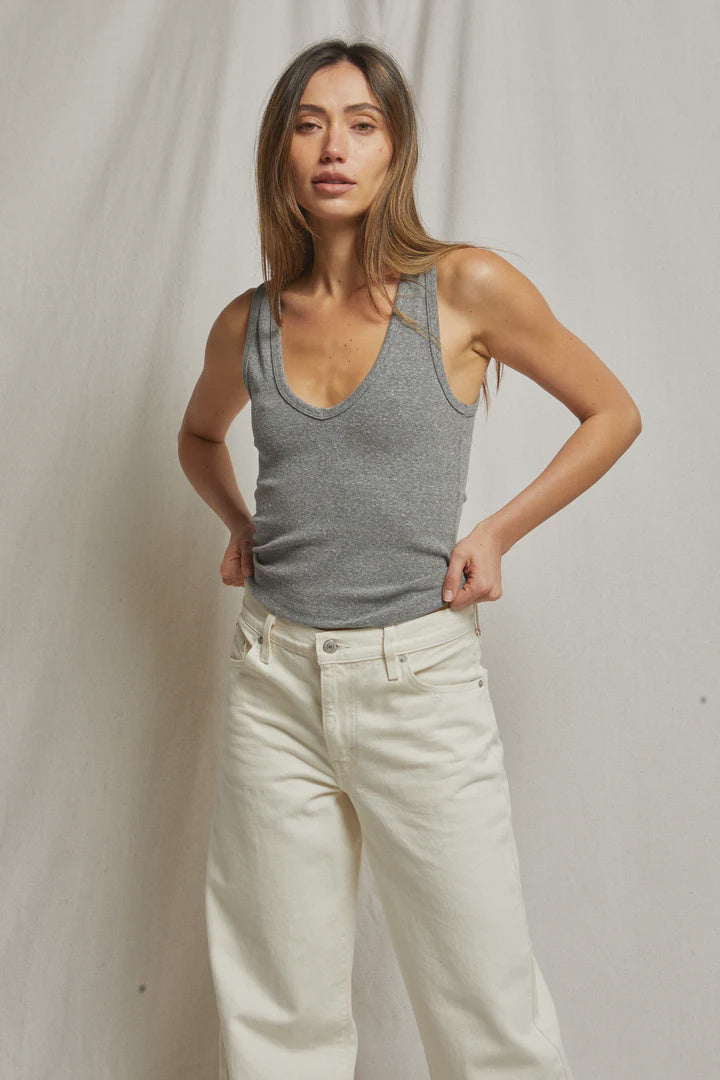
[386, 737]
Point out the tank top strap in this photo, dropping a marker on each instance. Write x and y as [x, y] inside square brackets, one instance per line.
[254, 346]
[433, 324]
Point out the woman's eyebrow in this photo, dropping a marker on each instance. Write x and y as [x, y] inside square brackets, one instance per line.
[363, 107]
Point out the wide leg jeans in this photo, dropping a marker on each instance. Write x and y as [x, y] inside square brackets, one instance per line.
[383, 738]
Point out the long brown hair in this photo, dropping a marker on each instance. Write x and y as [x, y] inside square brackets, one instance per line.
[391, 238]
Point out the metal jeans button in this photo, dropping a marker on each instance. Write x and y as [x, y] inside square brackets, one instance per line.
[330, 645]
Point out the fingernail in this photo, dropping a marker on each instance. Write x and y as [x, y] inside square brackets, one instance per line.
[447, 594]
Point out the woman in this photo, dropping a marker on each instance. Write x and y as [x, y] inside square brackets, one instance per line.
[358, 710]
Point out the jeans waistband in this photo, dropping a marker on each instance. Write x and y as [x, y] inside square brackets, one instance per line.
[356, 643]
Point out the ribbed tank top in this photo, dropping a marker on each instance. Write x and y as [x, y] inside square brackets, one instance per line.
[357, 506]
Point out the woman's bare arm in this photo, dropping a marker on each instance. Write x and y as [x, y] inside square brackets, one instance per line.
[515, 325]
[217, 398]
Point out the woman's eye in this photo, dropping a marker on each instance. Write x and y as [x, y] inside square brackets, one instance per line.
[363, 124]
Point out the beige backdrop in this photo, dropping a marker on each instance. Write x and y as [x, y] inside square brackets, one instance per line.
[581, 139]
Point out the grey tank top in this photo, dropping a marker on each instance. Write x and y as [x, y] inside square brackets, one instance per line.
[357, 506]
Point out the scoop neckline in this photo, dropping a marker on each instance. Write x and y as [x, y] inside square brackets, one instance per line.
[278, 363]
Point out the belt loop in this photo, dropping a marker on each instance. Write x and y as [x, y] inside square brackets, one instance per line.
[391, 661]
[478, 631]
[265, 647]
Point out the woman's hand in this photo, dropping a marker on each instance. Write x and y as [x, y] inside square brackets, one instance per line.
[479, 555]
[237, 561]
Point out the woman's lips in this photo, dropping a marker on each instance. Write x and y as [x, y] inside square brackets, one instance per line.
[332, 187]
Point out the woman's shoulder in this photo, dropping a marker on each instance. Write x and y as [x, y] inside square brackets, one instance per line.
[235, 315]
[230, 328]
[479, 279]
[469, 265]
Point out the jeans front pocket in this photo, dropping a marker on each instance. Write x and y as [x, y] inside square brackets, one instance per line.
[244, 638]
[448, 667]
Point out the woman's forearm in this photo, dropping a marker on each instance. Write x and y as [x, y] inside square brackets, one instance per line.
[208, 467]
[586, 456]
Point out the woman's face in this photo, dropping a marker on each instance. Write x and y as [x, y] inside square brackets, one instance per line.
[333, 135]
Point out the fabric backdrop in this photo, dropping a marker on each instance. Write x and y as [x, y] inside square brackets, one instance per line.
[579, 139]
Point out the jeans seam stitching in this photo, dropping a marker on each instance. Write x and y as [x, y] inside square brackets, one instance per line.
[533, 984]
